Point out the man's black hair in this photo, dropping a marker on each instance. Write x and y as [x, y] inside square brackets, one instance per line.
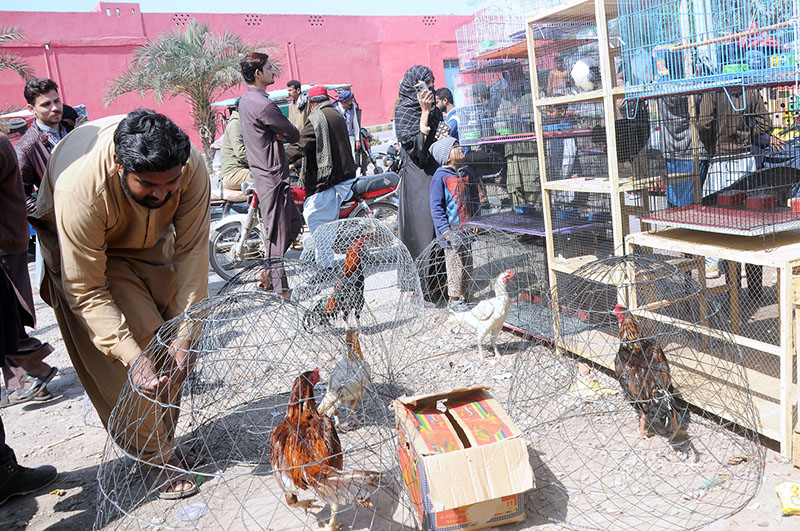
[146, 141]
[294, 84]
[36, 87]
[250, 63]
[444, 94]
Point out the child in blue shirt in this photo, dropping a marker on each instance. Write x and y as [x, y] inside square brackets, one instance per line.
[453, 198]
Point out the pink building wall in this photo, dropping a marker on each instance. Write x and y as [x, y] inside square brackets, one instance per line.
[83, 51]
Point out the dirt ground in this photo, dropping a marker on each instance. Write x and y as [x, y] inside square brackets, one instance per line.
[64, 433]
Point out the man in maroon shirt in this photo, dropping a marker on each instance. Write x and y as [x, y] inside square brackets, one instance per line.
[265, 129]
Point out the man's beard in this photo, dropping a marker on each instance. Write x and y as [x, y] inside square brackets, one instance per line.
[152, 205]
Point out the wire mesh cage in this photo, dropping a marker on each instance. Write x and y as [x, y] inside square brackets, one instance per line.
[492, 88]
[724, 162]
[747, 298]
[372, 269]
[582, 229]
[679, 46]
[472, 271]
[494, 99]
[643, 418]
[244, 428]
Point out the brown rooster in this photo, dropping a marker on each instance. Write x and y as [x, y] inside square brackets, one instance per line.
[643, 373]
[306, 455]
[348, 293]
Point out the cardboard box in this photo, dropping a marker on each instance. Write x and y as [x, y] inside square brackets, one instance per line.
[463, 460]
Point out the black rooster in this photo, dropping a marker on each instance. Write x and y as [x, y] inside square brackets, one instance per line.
[643, 373]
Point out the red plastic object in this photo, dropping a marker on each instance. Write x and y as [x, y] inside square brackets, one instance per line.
[731, 198]
[795, 204]
[298, 194]
[761, 202]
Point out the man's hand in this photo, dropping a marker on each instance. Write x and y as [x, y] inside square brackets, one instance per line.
[425, 99]
[144, 378]
[777, 144]
[183, 358]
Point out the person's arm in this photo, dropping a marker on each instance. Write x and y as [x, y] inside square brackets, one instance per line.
[306, 144]
[758, 113]
[82, 240]
[27, 171]
[437, 204]
[279, 124]
[192, 221]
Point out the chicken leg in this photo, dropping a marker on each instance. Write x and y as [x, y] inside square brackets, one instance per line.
[306, 505]
[494, 346]
[644, 433]
[331, 525]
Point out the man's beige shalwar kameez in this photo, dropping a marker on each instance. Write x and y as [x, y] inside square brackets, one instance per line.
[116, 270]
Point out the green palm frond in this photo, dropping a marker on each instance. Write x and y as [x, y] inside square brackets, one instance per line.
[12, 61]
[10, 33]
[193, 63]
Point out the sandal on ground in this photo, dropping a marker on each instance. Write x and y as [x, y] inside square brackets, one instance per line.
[296, 245]
[38, 384]
[44, 395]
[160, 478]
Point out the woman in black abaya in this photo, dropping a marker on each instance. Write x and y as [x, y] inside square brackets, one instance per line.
[418, 124]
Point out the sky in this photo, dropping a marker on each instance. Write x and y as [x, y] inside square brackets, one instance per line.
[316, 7]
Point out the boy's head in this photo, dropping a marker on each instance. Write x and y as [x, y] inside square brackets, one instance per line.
[447, 152]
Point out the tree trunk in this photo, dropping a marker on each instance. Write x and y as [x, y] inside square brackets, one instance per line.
[207, 127]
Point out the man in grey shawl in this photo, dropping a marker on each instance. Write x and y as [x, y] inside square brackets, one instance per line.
[329, 171]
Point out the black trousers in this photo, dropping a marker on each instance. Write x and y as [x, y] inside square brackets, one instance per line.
[9, 335]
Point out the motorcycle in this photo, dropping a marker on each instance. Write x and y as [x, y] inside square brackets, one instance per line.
[238, 241]
[388, 161]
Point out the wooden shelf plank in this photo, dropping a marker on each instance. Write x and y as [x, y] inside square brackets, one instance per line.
[580, 97]
[784, 247]
[572, 11]
[595, 185]
[570, 265]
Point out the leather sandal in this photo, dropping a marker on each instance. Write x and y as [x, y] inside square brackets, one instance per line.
[38, 384]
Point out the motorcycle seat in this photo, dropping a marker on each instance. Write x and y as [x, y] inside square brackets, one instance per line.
[371, 183]
[226, 194]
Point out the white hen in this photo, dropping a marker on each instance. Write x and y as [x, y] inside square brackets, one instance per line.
[488, 316]
[348, 380]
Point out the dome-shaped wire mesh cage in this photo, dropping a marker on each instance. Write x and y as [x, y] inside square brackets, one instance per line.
[502, 283]
[371, 270]
[475, 268]
[642, 418]
[245, 426]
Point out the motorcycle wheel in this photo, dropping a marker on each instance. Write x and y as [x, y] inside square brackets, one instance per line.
[222, 240]
[386, 212]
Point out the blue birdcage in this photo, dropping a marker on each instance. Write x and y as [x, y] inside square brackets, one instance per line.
[680, 46]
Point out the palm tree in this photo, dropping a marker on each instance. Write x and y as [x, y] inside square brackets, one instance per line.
[193, 63]
[10, 60]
